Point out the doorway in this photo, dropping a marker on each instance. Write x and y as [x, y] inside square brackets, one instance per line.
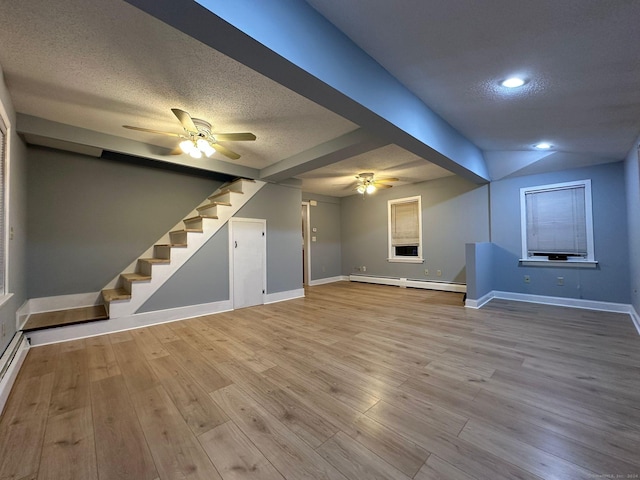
[247, 258]
[306, 243]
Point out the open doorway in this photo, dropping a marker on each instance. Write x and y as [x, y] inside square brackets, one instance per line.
[306, 244]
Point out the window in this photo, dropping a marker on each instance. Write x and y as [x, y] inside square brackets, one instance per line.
[405, 230]
[557, 223]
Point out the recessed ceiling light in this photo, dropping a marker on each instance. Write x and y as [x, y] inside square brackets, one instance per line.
[513, 82]
[543, 146]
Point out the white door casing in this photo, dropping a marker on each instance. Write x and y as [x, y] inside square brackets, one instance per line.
[247, 261]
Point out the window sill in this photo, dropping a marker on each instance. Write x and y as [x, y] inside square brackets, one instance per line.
[5, 298]
[527, 262]
[405, 260]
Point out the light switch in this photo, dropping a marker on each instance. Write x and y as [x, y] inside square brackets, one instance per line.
[313, 239]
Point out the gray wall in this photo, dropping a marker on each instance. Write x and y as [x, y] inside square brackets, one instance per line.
[90, 218]
[454, 212]
[609, 282]
[204, 278]
[280, 206]
[17, 206]
[632, 180]
[326, 251]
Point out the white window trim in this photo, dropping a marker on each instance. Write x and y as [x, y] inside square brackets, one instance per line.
[589, 261]
[6, 295]
[392, 258]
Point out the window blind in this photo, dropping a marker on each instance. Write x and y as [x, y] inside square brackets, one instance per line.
[556, 221]
[405, 224]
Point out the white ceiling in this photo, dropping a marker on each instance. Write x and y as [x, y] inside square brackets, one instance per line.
[98, 65]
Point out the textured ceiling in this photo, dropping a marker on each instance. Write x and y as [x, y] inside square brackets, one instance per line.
[99, 64]
[581, 56]
[103, 64]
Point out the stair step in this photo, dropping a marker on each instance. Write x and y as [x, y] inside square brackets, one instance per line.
[171, 245]
[155, 260]
[199, 217]
[61, 318]
[221, 193]
[115, 294]
[213, 204]
[136, 277]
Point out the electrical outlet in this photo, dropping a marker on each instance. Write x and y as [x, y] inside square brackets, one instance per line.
[527, 279]
[426, 272]
[364, 268]
[560, 281]
[439, 273]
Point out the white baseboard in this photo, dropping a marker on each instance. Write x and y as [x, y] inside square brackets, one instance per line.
[404, 282]
[479, 303]
[138, 320]
[323, 281]
[282, 296]
[635, 318]
[560, 302]
[10, 366]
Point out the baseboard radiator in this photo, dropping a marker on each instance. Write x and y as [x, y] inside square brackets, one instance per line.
[10, 364]
[411, 283]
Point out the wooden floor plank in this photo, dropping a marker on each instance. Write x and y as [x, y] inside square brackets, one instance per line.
[288, 453]
[175, 450]
[23, 423]
[195, 406]
[356, 461]
[235, 456]
[122, 451]
[69, 450]
[102, 361]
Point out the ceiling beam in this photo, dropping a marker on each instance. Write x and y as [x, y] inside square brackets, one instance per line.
[39, 127]
[340, 148]
[294, 45]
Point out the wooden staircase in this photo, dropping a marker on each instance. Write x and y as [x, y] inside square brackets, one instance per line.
[134, 286]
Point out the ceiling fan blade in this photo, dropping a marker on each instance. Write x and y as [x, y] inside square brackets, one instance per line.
[185, 120]
[390, 179]
[149, 130]
[234, 137]
[382, 185]
[225, 151]
[176, 151]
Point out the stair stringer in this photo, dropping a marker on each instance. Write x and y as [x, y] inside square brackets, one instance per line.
[142, 291]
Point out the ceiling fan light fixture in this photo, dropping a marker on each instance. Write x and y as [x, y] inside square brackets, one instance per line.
[186, 146]
[371, 188]
[361, 189]
[543, 146]
[205, 147]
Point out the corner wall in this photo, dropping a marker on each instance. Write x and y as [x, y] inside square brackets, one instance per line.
[17, 220]
[606, 283]
[632, 183]
[454, 212]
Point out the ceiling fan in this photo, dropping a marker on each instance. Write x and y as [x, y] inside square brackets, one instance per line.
[198, 137]
[366, 183]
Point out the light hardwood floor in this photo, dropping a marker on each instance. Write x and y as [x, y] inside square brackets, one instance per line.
[354, 381]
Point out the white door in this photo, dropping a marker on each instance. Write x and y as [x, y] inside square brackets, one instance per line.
[248, 261]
